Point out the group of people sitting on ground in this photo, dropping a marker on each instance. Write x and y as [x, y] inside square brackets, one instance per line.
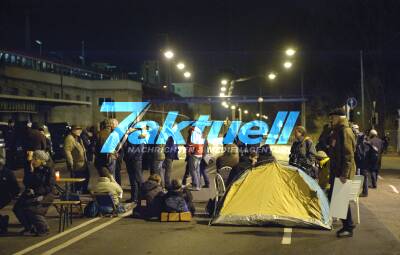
[153, 200]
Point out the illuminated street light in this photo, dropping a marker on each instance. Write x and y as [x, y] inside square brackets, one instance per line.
[290, 52]
[224, 82]
[165, 86]
[260, 99]
[246, 111]
[265, 117]
[180, 66]
[187, 74]
[287, 64]
[222, 94]
[233, 107]
[271, 76]
[223, 89]
[169, 54]
[258, 115]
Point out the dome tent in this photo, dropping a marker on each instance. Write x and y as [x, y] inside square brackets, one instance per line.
[274, 194]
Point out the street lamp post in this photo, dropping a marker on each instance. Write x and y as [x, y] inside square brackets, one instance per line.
[40, 46]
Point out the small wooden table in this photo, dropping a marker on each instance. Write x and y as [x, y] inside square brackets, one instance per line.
[65, 213]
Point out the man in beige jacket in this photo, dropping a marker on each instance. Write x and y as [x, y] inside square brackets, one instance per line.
[75, 155]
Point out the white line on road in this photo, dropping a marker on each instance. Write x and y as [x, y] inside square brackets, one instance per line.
[85, 234]
[394, 189]
[380, 177]
[48, 240]
[287, 236]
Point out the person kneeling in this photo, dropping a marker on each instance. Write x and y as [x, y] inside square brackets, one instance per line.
[32, 205]
[178, 199]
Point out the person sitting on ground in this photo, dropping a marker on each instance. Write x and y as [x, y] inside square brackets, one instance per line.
[107, 184]
[9, 189]
[178, 199]
[244, 164]
[150, 199]
[32, 205]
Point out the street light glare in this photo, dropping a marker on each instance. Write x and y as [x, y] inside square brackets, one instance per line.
[187, 74]
[222, 94]
[290, 52]
[246, 111]
[180, 66]
[223, 89]
[169, 54]
[258, 115]
[38, 42]
[260, 99]
[271, 76]
[224, 82]
[287, 64]
[233, 107]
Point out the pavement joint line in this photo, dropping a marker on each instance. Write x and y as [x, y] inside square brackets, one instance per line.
[86, 234]
[394, 189]
[287, 236]
[55, 237]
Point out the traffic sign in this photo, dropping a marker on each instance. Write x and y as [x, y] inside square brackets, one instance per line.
[352, 103]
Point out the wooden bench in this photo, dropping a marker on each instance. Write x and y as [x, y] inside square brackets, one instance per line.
[176, 217]
[65, 212]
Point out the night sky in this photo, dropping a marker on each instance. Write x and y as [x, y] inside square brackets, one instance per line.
[241, 38]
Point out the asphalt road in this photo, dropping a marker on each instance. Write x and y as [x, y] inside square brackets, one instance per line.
[378, 233]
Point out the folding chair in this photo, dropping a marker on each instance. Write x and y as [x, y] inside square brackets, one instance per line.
[105, 204]
[224, 172]
[356, 189]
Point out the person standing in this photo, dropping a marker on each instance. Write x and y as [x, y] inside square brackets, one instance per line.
[171, 154]
[342, 149]
[117, 156]
[75, 154]
[203, 165]
[107, 160]
[375, 156]
[363, 150]
[195, 154]
[133, 156]
[11, 146]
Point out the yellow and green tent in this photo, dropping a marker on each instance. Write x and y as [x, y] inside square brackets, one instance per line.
[274, 194]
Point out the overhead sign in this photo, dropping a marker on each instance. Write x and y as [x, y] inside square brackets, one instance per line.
[352, 102]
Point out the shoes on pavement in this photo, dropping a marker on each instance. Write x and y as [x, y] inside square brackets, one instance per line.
[206, 186]
[344, 233]
[363, 195]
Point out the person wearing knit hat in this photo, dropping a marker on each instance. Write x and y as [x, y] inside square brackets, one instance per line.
[342, 163]
[302, 152]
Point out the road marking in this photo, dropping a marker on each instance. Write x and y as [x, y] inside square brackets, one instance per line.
[394, 189]
[30, 248]
[380, 177]
[287, 236]
[85, 234]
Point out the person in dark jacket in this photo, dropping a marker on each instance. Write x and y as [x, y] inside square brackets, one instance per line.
[323, 140]
[171, 154]
[302, 152]
[178, 199]
[34, 140]
[204, 164]
[230, 157]
[245, 163]
[32, 205]
[342, 163]
[9, 189]
[133, 157]
[375, 156]
[150, 200]
[11, 145]
[361, 156]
